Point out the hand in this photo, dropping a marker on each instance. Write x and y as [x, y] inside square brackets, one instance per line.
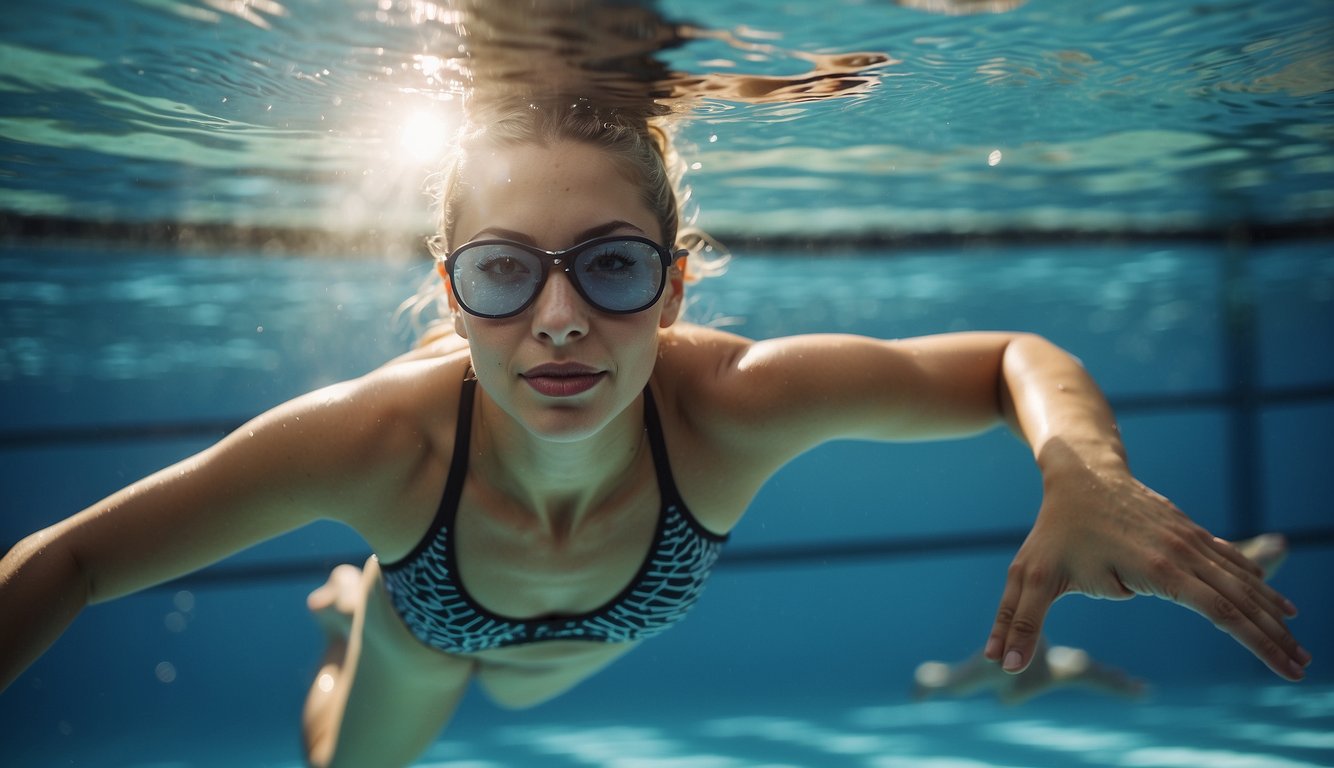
[1109, 536]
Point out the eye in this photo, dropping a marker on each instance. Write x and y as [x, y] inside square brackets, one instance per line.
[499, 265]
[609, 260]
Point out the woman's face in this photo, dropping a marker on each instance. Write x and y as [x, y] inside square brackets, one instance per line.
[560, 368]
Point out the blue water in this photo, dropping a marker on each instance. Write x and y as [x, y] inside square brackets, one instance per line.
[806, 662]
[1100, 115]
[1224, 726]
[1149, 185]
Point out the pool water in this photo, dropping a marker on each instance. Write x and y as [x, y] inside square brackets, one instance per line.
[209, 207]
[856, 563]
[1227, 726]
[324, 115]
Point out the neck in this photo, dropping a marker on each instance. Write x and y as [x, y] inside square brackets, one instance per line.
[557, 482]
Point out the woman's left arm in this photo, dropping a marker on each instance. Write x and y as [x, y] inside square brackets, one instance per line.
[1102, 533]
[1099, 531]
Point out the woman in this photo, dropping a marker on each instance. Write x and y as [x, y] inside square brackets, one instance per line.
[575, 456]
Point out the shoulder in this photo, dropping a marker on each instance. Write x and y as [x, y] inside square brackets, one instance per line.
[713, 426]
[696, 373]
[404, 408]
[766, 387]
[735, 410]
[363, 445]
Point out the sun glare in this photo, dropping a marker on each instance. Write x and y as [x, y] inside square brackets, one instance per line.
[423, 135]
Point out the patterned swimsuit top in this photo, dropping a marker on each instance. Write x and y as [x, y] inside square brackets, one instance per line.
[424, 587]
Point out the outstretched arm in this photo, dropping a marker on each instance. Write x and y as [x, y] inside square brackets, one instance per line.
[1102, 533]
[1099, 532]
[323, 455]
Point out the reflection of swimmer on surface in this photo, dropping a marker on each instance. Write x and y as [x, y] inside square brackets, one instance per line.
[1060, 666]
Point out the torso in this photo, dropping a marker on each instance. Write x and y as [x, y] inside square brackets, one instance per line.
[545, 585]
[513, 568]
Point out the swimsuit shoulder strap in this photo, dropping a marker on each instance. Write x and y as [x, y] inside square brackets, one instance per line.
[661, 464]
[458, 465]
[458, 472]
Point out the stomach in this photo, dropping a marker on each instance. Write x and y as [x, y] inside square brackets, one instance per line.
[522, 676]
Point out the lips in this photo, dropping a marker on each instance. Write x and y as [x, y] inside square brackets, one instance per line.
[562, 379]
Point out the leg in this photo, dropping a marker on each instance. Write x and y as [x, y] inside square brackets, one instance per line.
[1073, 666]
[973, 674]
[976, 673]
[380, 696]
[334, 605]
[1268, 550]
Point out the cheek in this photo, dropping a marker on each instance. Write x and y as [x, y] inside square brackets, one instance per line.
[638, 341]
[486, 341]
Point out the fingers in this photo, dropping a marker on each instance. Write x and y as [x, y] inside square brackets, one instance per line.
[1199, 575]
[1252, 613]
[1235, 557]
[1222, 558]
[1200, 572]
[1278, 606]
[1018, 627]
[1229, 550]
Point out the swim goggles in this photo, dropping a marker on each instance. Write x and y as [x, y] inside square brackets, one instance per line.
[495, 278]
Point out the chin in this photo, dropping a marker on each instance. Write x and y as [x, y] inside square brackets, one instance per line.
[571, 428]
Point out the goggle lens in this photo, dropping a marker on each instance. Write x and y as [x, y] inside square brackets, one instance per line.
[501, 278]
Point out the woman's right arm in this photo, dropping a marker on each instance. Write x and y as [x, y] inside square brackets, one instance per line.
[324, 455]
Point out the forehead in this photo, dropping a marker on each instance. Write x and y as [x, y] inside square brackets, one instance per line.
[546, 192]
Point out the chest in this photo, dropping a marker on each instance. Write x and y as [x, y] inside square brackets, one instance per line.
[517, 564]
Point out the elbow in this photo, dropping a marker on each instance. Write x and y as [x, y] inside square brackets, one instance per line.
[1024, 358]
[42, 589]
[48, 556]
[1027, 343]
[1035, 349]
[1011, 356]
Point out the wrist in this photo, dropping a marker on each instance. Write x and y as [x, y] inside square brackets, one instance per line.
[1062, 458]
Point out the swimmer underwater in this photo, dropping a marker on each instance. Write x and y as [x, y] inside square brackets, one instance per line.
[547, 481]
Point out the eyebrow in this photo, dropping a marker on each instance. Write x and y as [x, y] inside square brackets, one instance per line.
[588, 234]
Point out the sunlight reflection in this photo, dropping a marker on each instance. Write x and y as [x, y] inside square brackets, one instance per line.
[424, 135]
[249, 10]
[805, 734]
[932, 762]
[1278, 736]
[1305, 702]
[1062, 738]
[1186, 757]
[924, 713]
[618, 746]
[422, 11]
[448, 753]
[411, 138]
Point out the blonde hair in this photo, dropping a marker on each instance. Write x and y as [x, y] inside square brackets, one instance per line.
[640, 145]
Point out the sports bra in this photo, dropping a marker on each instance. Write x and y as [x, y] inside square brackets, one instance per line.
[425, 589]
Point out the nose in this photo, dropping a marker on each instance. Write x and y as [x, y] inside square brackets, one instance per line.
[560, 314]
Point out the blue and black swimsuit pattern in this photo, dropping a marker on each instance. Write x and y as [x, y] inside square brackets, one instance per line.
[425, 590]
